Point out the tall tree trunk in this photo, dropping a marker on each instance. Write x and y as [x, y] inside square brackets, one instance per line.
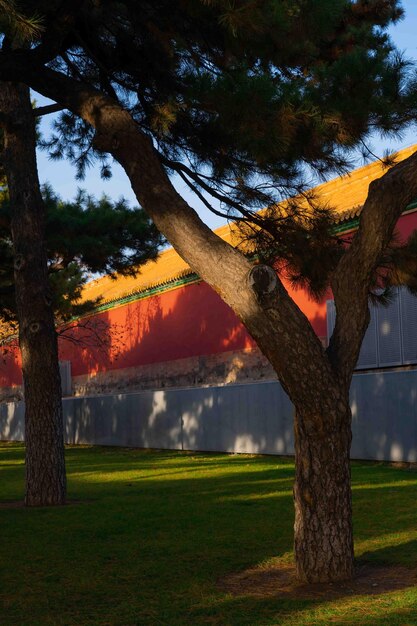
[323, 547]
[323, 539]
[45, 462]
[259, 298]
[280, 329]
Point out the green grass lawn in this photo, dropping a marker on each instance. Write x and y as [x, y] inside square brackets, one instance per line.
[150, 534]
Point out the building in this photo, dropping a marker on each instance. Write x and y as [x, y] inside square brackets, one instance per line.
[167, 328]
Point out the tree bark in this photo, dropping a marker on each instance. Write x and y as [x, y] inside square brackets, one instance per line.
[316, 381]
[256, 294]
[323, 538]
[45, 462]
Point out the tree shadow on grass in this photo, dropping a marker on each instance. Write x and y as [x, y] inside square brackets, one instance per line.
[171, 540]
[348, 610]
[272, 594]
[395, 554]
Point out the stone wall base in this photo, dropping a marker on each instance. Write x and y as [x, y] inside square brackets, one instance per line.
[11, 394]
[216, 369]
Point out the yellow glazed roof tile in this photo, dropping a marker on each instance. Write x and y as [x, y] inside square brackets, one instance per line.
[167, 266]
[345, 195]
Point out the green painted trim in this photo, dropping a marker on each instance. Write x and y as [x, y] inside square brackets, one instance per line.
[412, 205]
[147, 293]
[354, 222]
[194, 278]
[349, 225]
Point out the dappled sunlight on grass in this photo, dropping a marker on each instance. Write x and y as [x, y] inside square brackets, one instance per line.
[258, 496]
[10, 463]
[275, 561]
[385, 541]
[148, 535]
[392, 484]
[394, 609]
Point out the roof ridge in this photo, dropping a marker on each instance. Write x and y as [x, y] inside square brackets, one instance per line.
[377, 163]
[348, 195]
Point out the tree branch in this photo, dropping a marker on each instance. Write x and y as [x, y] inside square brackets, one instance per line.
[281, 330]
[388, 196]
[46, 110]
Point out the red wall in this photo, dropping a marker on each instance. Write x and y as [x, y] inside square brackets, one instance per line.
[10, 366]
[188, 321]
[185, 322]
[406, 225]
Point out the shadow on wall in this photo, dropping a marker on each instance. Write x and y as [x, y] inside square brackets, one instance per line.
[248, 418]
[251, 418]
[186, 322]
[12, 421]
[384, 416]
[189, 321]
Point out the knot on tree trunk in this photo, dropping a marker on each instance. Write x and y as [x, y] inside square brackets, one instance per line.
[34, 327]
[264, 282]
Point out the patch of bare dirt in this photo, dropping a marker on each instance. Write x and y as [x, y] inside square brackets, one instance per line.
[279, 581]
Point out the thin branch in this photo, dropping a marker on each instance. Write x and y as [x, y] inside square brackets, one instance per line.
[177, 166]
[200, 196]
[371, 153]
[46, 110]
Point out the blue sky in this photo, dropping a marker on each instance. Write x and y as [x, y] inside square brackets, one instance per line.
[61, 175]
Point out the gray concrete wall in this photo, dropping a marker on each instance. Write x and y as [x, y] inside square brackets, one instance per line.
[252, 418]
[12, 422]
[384, 416]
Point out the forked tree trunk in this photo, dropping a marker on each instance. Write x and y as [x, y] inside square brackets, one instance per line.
[323, 485]
[323, 539]
[45, 462]
[323, 531]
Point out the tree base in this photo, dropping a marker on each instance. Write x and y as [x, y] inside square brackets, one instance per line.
[279, 580]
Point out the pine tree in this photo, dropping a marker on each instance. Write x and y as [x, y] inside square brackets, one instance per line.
[83, 237]
[44, 441]
[41, 283]
[37, 292]
[240, 99]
